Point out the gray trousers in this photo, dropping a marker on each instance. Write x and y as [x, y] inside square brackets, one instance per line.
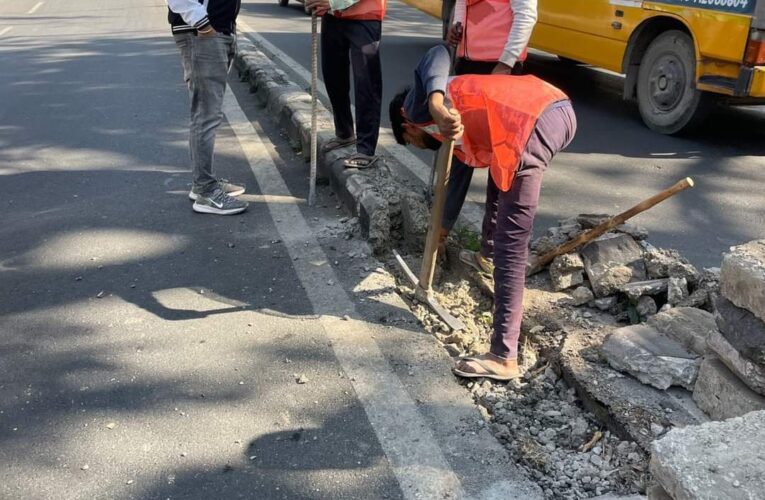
[206, 62]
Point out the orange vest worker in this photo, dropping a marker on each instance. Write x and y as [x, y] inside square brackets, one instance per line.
[365, 10]
[499, 114]
[487, 23]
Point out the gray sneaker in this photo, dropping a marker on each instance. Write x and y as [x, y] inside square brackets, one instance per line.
[229, 188]
[219, 203]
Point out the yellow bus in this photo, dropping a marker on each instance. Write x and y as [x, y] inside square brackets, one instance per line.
[678, 56]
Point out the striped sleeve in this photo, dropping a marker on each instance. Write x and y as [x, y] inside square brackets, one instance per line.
[192, 12]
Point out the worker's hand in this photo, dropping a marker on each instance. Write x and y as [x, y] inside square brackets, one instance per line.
[502, 69]
[448, 120]
[320, 7]
[454, 36]
[449, 124]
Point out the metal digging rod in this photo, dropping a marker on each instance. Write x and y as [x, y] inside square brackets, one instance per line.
[423, 287]
[314, 132]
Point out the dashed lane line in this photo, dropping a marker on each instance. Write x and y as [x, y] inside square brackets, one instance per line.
[408, 442]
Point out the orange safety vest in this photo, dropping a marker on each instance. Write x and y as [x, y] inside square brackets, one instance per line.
[499, 113]
[365, 10]
[487, 26]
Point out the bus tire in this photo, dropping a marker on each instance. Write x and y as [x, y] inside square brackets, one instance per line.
[667, 97]
[283, 3]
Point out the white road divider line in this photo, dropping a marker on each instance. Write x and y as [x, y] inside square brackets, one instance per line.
[471, 212]
[5, 30]
[408, 442]
[34, 9]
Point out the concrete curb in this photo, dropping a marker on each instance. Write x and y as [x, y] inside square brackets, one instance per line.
[372, 195]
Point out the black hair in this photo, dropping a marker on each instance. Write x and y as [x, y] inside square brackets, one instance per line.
[397, 120]
[396, 117]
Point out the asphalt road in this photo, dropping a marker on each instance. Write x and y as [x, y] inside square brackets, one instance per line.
[149, 352]
[614, 161]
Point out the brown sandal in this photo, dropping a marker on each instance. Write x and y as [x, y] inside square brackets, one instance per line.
[486, 373]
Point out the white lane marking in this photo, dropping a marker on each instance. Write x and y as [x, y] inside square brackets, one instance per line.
[472, 213]
[408, 442]
[5, 30]
[34, 9]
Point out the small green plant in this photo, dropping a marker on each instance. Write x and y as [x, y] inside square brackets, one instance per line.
[467, 238]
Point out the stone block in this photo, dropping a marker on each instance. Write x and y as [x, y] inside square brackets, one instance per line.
[742, 277]
[715, 460]
[566, 271]
[687, 325]
[374, 220]
[415, 219]
[752, 374]
[742, 330]
[677, 290]
[637, 289]
[723, 395]
[663, 263]
[612, 261]
[656, 492]
[582, 295]
[651, 357]
[646, 307]
[605, 303]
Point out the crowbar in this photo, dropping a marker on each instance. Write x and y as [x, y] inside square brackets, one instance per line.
[537, 264]
[423, 287]
[314, 132]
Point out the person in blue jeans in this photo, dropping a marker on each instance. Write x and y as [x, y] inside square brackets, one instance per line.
[205, 34]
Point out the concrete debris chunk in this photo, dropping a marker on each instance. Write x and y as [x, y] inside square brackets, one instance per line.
[687, 325]
[582, 295]
[677, 290]
[715, 460]
[646, 307]
[741, 329]
[605, 303]
[637, 232]
[742, 277]
[664, 263]
[414, 219]
[651, 357]
[637, 289]
[721, 394]
[566, 271]
[612, 261]
[752, 374]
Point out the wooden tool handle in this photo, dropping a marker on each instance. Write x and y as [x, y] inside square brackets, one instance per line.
[539, 263]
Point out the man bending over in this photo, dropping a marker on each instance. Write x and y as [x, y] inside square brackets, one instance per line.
[514, 126]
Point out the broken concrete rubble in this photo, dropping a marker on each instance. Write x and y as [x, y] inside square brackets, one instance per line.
[742, 277]
[687, 325]
[611, 262]
[646, 307]
[566, 271]
[414, 220]
[637, 289]
[665, 263]
[741, 329]
[677, 290]
[715, 460]
[651, 357]
[582, 295]
[752, 374]
[721, 394]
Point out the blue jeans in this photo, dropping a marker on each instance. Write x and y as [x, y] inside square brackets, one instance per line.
[206, 62]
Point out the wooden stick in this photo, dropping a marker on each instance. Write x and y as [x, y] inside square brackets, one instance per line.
[537, 264]
[443, 167]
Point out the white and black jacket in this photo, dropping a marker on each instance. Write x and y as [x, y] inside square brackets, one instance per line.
[191, 15]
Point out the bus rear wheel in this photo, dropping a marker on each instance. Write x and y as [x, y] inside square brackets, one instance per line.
[667, 97]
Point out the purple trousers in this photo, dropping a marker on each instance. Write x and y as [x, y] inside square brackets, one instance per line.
[509, 220]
